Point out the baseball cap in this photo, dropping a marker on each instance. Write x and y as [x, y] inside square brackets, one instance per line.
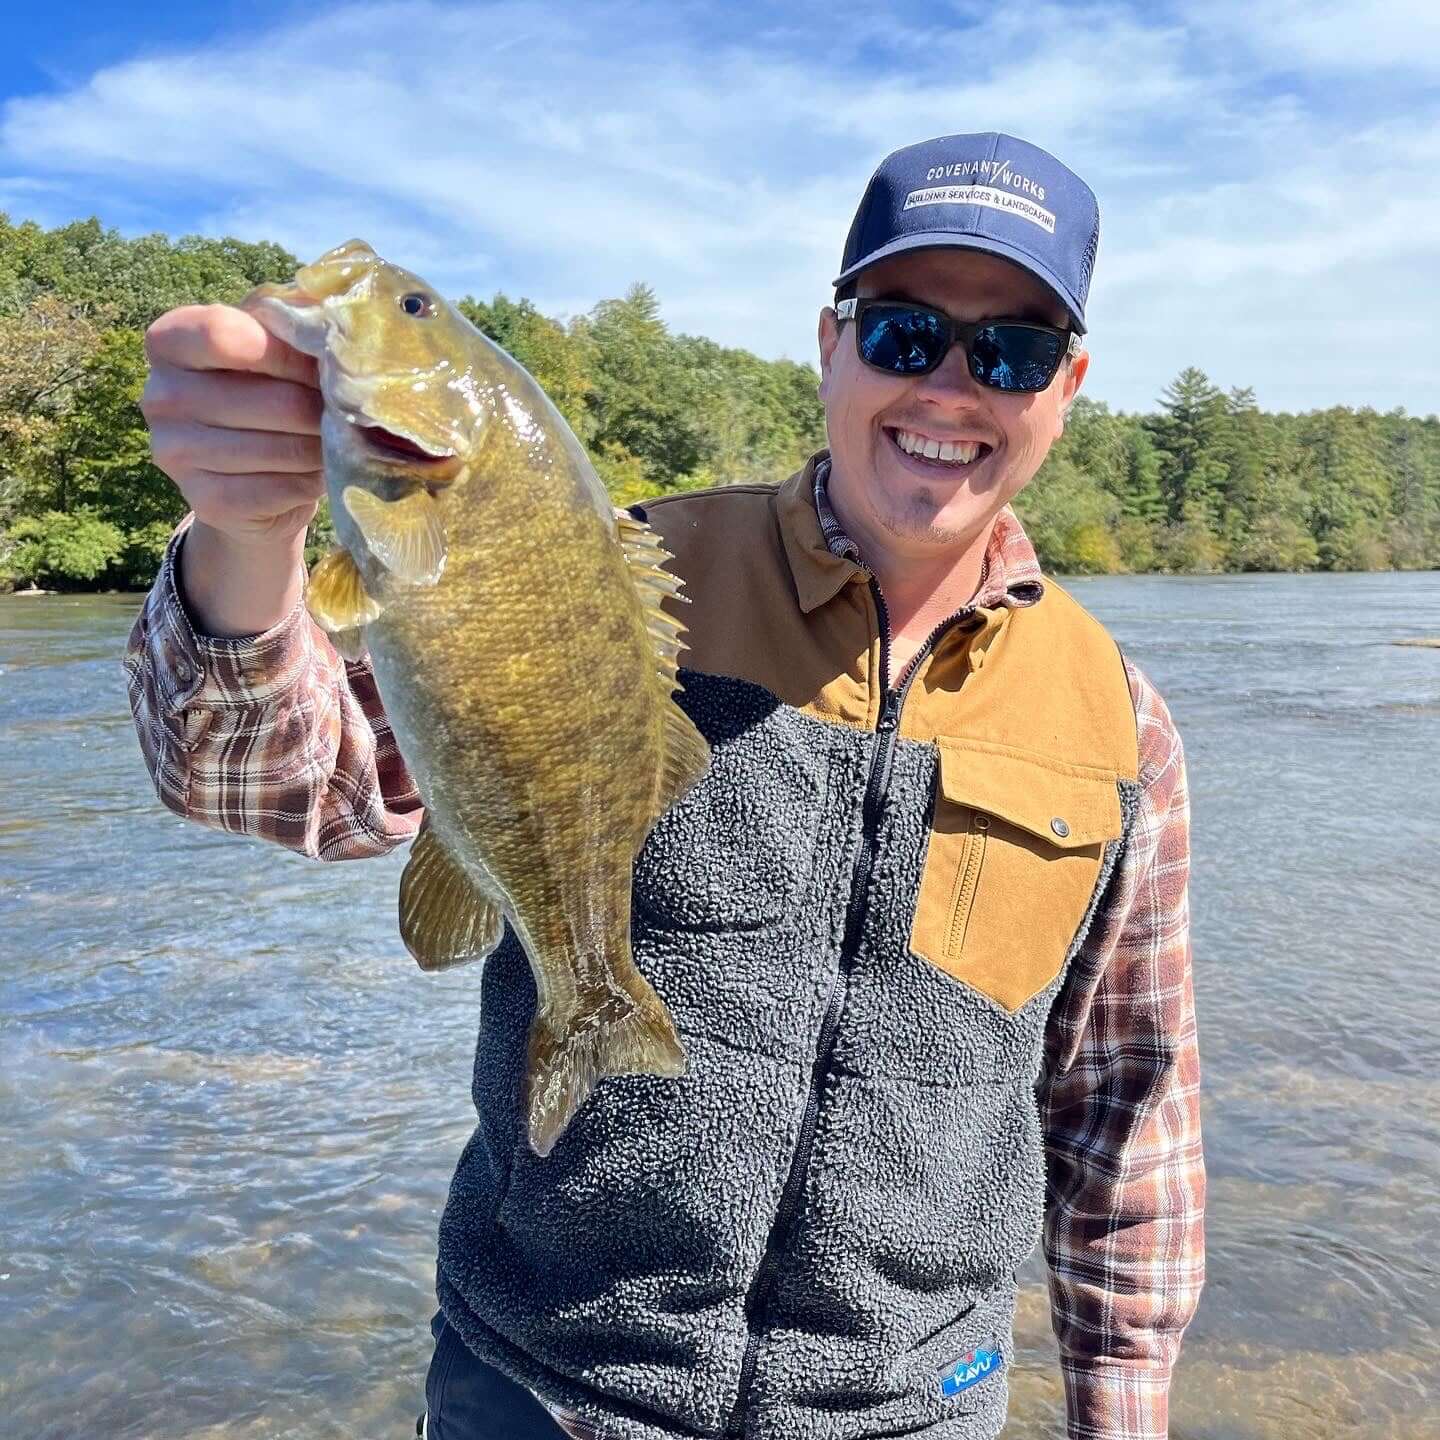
[988, 192]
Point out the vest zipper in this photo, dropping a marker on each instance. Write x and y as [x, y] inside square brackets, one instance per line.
[966, 881]
[887, 729]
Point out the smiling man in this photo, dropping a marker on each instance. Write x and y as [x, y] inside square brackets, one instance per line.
[923, 926]
[923, 460]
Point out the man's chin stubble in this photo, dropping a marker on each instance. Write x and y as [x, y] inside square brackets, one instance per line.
[916, 523]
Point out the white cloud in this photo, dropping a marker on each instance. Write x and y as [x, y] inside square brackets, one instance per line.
[564, 152]
[1362, 36]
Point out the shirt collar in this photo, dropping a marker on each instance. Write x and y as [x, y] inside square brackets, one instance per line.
[823, 557]
[820, 572]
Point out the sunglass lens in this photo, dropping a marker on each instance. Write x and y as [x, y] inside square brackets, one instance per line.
[895, 337]
[1015, 357]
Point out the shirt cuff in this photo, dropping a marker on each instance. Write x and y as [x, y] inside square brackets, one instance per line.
[208, 672]
[1112, 1401]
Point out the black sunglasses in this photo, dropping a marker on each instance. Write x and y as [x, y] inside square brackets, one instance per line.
[902, 338]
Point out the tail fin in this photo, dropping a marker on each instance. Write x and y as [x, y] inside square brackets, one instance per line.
[628, 1034]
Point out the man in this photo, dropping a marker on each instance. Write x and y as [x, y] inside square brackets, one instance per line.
[923, 926]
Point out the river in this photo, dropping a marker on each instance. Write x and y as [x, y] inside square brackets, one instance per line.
[231, 1104]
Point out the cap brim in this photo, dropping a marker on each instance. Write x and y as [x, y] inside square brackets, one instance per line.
[947, 240]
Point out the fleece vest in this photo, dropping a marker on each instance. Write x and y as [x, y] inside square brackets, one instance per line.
[860, 921]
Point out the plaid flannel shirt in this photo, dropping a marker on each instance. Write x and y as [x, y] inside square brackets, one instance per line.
[277, 737]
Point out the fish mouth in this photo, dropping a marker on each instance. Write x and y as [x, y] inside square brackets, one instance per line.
[437, 466]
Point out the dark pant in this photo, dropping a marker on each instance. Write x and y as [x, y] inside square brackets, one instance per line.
[466, 1399]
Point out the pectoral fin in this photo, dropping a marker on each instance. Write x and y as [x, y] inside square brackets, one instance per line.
[406, 536]
[335, 595]
[445, 919]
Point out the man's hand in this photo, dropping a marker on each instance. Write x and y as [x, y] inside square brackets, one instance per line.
[234, 418]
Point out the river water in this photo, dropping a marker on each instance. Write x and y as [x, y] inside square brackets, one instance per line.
[230, 1103]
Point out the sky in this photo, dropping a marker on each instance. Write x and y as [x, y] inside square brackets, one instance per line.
[1266, 169]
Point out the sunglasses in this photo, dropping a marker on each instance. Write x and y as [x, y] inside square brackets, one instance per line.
[902, 338]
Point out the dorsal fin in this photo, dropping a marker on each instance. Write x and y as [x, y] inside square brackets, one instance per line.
[686, 754]
[687, 757]
[645, 555]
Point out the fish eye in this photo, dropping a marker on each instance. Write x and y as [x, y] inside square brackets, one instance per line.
[417, 304]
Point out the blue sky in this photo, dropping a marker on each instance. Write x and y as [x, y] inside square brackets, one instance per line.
[1267, 169]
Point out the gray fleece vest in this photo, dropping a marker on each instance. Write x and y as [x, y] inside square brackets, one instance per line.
[814, 1233]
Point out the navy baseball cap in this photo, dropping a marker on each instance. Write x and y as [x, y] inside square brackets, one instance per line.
[987, 192]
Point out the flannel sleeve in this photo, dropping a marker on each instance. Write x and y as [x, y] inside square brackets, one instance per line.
[1120, 1107]
[272, 735]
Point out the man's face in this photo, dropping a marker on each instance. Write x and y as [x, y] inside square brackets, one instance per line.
[925, 507]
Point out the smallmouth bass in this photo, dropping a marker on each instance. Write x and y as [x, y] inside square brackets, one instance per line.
[514, 625]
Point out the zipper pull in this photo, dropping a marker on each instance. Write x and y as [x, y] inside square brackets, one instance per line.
[889, 712]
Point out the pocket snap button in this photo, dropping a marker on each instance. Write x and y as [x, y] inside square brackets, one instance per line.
[982, 822]
[1059, 827]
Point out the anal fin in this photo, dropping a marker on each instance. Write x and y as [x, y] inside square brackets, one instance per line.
[445, 919]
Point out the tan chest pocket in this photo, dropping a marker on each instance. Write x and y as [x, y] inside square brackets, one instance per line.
[1016, 845]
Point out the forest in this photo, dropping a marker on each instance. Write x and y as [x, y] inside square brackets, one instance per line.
[1205, 483]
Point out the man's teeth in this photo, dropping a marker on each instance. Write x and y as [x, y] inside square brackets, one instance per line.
[957, 452]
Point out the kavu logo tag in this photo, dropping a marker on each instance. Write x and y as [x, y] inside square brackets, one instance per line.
[970, 1370]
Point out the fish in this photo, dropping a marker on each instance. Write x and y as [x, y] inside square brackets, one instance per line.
[514, 623]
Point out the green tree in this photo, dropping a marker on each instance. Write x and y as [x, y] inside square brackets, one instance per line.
[140, 559]
[107, 444]
[644, 399]
[45, 348]
[1190, 434]
[1275, 542]
[1412, 458]
[1208, 482]
[130, 281]
[1188, 546]
[1094, 441]
[60, 547]
[1070, 520]
[1348, 488]
[1142, 499]
[757, 419]
[626, 480]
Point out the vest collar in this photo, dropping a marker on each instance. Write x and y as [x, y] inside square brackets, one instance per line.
[1014, 580]
[819, 573]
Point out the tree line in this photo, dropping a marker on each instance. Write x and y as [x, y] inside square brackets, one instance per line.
[1206, 483]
